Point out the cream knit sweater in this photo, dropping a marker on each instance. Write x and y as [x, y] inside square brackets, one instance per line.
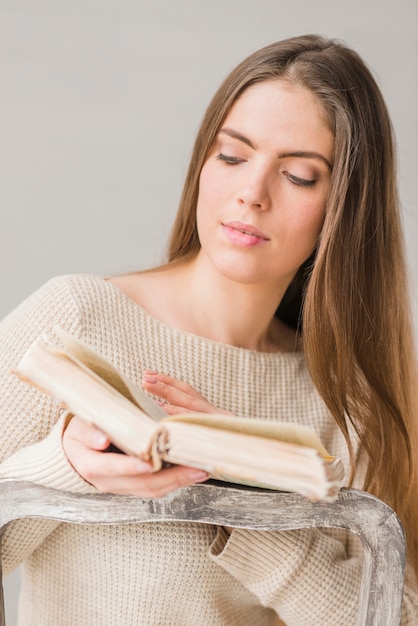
[164, 574]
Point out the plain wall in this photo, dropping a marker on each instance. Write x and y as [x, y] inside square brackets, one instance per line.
[100, 101]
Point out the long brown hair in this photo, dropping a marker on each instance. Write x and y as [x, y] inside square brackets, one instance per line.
[351, 296]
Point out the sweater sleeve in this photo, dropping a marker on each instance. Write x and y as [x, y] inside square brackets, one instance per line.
[307, 576]
[30, 422]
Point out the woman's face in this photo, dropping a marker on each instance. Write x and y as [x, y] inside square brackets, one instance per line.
[264, 185]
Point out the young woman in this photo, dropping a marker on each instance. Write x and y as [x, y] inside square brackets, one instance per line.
[284, 297]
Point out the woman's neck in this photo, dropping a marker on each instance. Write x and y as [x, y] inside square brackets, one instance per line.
[237, 314]
[188, 296]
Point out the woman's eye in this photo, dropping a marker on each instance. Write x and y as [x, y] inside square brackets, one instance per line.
[301, 182]
[231, 160]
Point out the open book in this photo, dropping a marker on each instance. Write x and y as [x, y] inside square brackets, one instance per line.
[247, 451]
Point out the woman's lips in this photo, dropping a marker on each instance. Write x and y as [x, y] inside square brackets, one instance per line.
[244, 235]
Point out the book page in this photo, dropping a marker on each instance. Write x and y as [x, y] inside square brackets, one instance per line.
[282, 431]
[252, 460]
[250, 451]
[84, 393]
[105, 370]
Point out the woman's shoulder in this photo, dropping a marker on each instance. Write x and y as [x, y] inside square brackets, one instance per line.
[80, 288]
[96, 294]
[151, 289]
[52, 295]
[93, 295]
[60, 299]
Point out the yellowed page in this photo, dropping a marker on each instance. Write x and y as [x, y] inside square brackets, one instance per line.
[85, 394]
[252, 460]
[283, 431]
[108, 372]
[247, 451]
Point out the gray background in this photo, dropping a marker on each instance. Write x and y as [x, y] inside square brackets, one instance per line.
[100, 101]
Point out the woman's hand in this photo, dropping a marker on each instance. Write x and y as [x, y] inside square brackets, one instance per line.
[112, 472]
[176, 395]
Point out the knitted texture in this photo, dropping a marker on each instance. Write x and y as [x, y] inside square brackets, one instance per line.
[171, 574]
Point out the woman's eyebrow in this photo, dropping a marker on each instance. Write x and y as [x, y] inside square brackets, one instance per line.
[235, 135]
[306, 155]
[297, 153]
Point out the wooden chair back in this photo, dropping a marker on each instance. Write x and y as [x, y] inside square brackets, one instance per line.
[213, 503]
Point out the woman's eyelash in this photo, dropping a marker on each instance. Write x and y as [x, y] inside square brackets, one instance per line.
[231, 160]
[301, 182]
[295, 180]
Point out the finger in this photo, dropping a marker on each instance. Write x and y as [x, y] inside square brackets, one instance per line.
[179, 394]
[145, 484]
[87, 434]
[160, 483]
[152, 377]
[178, 397]
[108, 470]
[120, 473]
[173, 409]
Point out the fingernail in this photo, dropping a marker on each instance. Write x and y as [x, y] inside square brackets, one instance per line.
[99, 438]
[143, 468]
[198, 476]
[149, 377]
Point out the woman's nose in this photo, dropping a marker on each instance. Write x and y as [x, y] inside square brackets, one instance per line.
[255, 191]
